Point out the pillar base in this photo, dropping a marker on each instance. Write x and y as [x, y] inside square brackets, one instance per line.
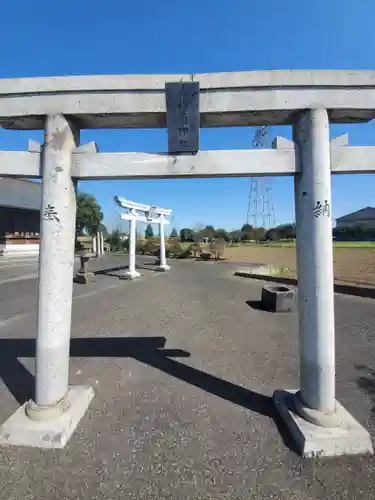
[349, 438]
[20, 430]
[83, 279]
[316, 417]
[130, 275]
[163, 268]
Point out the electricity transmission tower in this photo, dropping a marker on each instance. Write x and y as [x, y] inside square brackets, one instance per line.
[260, 208]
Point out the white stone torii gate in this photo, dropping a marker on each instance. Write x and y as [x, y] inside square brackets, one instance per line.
[152, 215]
[308, 100]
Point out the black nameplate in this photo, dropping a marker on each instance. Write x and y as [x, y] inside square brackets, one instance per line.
[183, 120]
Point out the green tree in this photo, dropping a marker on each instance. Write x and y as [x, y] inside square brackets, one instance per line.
[259, 233]
[247, 232]
[236, 236]
[222, 234]
[102, 229]
[173, 233]
[273, 234]
[354, 233]
[186, 234]
[286, 231]
[114, 239]
[246, 228]
[89, 214]
[149, 233]
[209, 232]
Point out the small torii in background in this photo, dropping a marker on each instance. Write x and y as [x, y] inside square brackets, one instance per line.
[152, 215]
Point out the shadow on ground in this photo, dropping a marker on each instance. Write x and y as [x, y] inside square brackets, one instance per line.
[149, 350]
[366, 382]
[113, 270]
[255, 304]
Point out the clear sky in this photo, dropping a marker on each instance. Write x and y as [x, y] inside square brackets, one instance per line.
[121, 36]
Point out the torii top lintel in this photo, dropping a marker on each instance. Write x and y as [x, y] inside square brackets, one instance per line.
[132, 205]
[226, 99]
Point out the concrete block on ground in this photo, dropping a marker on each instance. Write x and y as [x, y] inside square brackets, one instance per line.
[130, 275]
[20, 430]
[260, 270]
[83, 279]
[350, 438]
[277, 298]
[163, 268]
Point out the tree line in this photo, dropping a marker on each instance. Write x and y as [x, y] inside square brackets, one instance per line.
[90, 216]
[89, 221]
[354, 233]
[246, 233]
[278, 233]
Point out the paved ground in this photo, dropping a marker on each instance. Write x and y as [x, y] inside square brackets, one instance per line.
[183, 368]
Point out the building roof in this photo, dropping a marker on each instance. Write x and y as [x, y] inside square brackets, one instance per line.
[367, 213]
[20, 193]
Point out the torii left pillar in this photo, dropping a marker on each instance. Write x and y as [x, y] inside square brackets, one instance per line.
[131, 273]
[50, 420]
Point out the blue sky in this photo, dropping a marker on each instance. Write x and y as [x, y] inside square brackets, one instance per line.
[119, 37]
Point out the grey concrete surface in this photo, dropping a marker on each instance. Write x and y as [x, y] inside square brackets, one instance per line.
[223, 163]
[29, 427]
[227, 99]
[183, 365]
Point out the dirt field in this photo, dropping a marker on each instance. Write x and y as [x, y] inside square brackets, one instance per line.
[351, 265]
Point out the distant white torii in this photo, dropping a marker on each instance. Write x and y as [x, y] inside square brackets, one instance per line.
[152, 215]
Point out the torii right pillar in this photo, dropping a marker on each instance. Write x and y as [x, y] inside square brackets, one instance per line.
[163, 261]
[318, 423]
